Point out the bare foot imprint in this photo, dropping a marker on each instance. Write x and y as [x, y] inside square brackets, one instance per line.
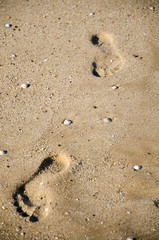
[109, 60]
[32, 199]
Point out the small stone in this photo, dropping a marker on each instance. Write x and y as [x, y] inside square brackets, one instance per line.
[137, 167]
[107, 120]
[115, 87]
[67, 122]
[3, 152]
[91, 14]
[8, 25]
[25, 85]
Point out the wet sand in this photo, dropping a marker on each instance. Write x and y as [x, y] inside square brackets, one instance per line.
[94, 63]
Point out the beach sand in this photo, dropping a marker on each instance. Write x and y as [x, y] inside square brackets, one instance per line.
[94, 63]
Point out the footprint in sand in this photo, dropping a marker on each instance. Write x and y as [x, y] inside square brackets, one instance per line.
[109, 60]
[33, 198]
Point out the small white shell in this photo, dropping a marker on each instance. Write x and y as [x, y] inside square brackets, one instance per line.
[67, 122]
[3, 152]
[107, 120]
[152, 8]
[25, 85]
[13, 55]
[129, 238]
[8, 25]
[115, 87]
[137, 167]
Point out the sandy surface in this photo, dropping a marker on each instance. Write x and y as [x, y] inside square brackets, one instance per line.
[77, 181]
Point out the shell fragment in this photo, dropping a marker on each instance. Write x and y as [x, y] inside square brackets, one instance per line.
[8, 25]
[3, 152]
[107, 120]
[67, 122]
[137, 167]
[25, 85]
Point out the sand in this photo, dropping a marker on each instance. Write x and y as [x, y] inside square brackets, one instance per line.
[77, 181]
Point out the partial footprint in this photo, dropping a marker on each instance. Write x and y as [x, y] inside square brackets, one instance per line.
[109, 60]
[33, 198]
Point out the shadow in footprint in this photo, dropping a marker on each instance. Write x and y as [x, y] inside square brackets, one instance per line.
[95, 73]
[95, 40]
[20, 197]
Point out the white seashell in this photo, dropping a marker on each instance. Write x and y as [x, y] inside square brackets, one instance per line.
[137, 167]
[129, 238]
[67, 122]
[3, 152]
[115, 87]
[107, 120]
[8, 25]
[25, 85]
[13, 55]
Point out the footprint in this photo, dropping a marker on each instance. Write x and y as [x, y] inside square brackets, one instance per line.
[33, 199]
[109, 60]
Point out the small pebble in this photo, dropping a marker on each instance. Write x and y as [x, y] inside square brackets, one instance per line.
[137, 167]
[115, 87]
[107, 120]
[25, 85]
[3, 152]
[67, 122]
[91, 14]
[8, 25]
